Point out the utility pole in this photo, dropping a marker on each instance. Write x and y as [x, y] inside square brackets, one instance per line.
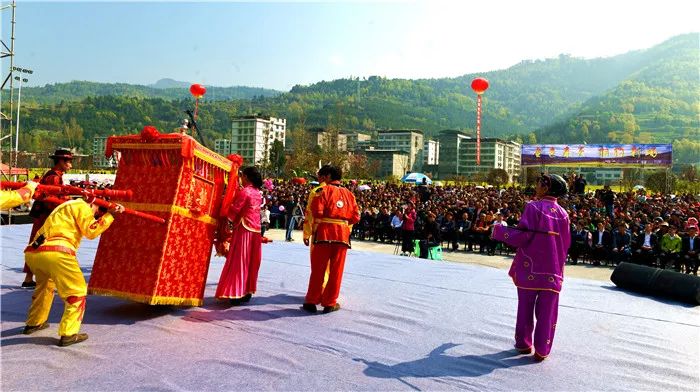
[8, 52]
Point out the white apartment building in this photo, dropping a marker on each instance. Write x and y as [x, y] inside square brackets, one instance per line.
[431, 152]
[252, 136]
[407, 140]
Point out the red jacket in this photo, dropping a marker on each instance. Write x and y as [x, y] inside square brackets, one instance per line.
[335, 211]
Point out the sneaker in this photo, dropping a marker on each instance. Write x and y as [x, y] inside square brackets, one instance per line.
[29, 285]
[30, 329]
[328, 309]
[311, 308]
[72, 339]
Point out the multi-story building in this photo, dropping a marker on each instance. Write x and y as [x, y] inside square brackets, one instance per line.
[408, 140]
[321, 137]
[390, 162]
[452, 163]
[98, 154]
[357, 141]
[458, 155]
[223, 147]
[431, 152]
[602, 176]
[252, 136]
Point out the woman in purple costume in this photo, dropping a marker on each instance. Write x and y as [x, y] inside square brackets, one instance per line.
[239, 276]
[542, 238]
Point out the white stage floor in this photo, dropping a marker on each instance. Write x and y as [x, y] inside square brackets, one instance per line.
[406, 324]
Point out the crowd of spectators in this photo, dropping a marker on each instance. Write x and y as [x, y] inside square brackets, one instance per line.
[607, 227]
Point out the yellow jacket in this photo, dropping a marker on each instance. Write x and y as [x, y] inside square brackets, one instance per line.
[308, 216]
[70, 222]
[14, 198]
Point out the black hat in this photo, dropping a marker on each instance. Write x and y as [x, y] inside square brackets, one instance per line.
[556, 184]
[62, 154]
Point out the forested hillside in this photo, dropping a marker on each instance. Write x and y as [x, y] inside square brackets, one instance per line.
[165, 88]
[643, 96]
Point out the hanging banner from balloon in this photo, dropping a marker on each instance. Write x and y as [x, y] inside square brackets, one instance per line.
[479, 85]
[197, 91]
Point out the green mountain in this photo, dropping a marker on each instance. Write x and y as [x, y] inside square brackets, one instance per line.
[658, 103]
[649, 95]
[165, 89]
[529, 96]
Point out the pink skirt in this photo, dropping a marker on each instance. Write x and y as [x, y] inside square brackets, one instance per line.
[240, 274]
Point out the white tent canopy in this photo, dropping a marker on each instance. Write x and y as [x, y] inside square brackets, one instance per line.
[416, 178]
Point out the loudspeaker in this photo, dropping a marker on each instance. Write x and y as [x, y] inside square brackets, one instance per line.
[657, 282]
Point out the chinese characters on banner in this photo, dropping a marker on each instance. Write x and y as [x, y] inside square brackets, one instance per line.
[627, 155]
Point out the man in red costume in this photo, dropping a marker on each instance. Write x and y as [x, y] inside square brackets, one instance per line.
[334, 211]
[62, 162]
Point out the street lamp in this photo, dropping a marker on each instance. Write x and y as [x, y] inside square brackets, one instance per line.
[19, 102]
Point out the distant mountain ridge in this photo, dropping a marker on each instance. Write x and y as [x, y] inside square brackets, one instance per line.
[164, 88]
[650, 95]
[169, 83]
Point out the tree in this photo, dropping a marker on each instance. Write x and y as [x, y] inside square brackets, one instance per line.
[658, 181]
[360, 167]
[73, 133]
[532, 138]
[689, 173]
[277, 157]
[497, 177]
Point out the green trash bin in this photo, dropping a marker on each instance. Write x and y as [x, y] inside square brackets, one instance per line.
[435, 253]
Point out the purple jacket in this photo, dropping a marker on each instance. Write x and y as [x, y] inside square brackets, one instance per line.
[539, 261]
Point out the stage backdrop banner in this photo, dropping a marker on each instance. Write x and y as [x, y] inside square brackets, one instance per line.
[597, 155]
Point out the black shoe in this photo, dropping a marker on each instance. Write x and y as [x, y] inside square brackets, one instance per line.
[328, 309]
[29, 285]
[236, 301]
[72, 339]
[311, 308]
[524, 350]
[30, 329]
[247, 298]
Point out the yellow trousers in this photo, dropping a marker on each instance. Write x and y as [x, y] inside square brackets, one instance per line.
[57, 271]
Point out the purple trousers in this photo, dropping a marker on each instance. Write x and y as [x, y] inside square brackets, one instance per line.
[540, 304]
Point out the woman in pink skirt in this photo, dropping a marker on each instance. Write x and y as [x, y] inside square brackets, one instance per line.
[240, 274]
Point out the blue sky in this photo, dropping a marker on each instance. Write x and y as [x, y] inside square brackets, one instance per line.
[278, 45]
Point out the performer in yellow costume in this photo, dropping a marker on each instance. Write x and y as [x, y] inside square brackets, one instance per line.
[51, 256]
[14, 198]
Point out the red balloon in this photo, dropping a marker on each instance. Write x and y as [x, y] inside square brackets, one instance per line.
[479, 85]
[198, 90]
